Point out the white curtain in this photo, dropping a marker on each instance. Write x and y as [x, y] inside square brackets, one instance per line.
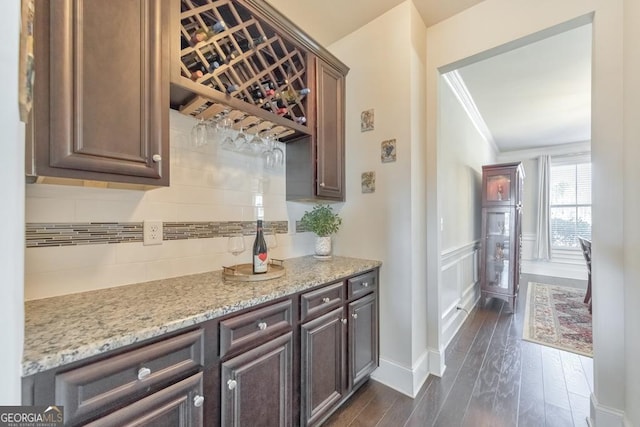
[542, 249]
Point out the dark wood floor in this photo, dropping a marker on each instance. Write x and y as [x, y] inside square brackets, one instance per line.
[493, 379]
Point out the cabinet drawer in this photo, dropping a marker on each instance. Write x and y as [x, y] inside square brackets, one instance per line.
[320, 301]
[99, 384]
[176, 405]
[362, 285]
[255, 327]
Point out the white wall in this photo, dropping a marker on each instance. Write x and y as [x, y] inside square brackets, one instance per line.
[386, 73]
[500, 23]
[11, 215]
[461, 153]
[631, 209]
[207, 184]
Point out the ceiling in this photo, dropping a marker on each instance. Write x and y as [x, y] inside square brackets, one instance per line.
[327, 21]
[536, 95]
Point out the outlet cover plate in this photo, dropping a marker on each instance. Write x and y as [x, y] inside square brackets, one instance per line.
[152, 233]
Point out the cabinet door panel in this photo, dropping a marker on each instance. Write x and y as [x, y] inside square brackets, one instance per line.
[330, 132]
[107, 90]
[257, 385]
[363, 338]
[323, 365]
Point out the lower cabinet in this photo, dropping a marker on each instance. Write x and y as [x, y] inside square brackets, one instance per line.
[339, 349]
[363, 342]
[285, 363]
[256, 386]
[323, 370]
[179, 405]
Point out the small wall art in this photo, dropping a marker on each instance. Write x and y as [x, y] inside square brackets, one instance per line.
[366, 120]
[368, 182]
[388, 151]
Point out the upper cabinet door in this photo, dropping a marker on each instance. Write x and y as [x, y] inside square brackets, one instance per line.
[330, 132]
[502, 184]
[103, 111]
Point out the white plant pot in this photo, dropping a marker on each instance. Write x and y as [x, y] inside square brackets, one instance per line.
[323, 246]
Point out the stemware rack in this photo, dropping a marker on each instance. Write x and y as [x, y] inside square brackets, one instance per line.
[232, 58]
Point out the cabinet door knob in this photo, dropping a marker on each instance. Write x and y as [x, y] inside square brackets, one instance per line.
[354, 315]
[365, 284]
[262, 326]
[198, 400]
[232, 384]
[344, 321]
[322, 184]
[326, 300]
[156, 158]
[143, 373]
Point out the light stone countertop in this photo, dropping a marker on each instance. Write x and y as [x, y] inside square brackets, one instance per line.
[68, 328]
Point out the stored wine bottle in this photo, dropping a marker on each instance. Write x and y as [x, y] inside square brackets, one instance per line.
[291, 96]
[218, 27]
[246, 44]
[199, 36]
[260, 256]
[281, 109]
[214, 61]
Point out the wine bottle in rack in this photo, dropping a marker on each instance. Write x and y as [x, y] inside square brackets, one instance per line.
[214, 61]
[218, 27]
[246, 44]
[291, 96]
[260, 255]
[269, 88]
[281, 108]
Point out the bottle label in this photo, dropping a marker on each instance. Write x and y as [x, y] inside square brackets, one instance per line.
[260, 263]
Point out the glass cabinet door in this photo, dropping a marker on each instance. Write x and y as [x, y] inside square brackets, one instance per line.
[497, 250]
[498, 188]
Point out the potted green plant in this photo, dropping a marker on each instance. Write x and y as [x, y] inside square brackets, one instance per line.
[323, 222]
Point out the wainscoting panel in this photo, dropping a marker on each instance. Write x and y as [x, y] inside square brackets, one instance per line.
[459, 286]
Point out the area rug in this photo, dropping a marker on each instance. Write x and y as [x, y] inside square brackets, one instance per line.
[556, 316]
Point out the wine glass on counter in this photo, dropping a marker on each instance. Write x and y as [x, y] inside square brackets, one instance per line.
[235, 244]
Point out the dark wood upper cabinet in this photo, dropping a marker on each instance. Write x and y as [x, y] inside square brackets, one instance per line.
[330, 132]
[101, 91]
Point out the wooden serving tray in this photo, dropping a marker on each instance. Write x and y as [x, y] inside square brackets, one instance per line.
[244, 272]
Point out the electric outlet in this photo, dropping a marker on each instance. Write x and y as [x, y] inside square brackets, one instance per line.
[152, 233]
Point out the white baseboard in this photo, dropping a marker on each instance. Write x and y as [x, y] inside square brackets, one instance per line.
[604, 416]
[402, 379]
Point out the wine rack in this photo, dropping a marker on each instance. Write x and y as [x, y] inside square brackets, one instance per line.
[240, 61]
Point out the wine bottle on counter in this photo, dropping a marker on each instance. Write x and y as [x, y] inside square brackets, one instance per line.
[260, 256]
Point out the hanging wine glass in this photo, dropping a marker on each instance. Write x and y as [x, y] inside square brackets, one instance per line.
[278, 154]
[199, 133]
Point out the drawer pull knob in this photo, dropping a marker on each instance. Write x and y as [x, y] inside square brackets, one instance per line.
[322, 184]
[344, 321]
[326, 300]
[143, 373]
[198, 400]
[262, 326]
[232, 384]
[354, 315]
[365, 284]
[156, 158]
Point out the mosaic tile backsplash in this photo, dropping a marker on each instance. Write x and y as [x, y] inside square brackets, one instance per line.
[94, 233]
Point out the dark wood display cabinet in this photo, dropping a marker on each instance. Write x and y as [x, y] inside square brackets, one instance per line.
[501, 231]
[101, 92]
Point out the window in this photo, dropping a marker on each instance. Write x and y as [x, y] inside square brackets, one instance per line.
[570, 204]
